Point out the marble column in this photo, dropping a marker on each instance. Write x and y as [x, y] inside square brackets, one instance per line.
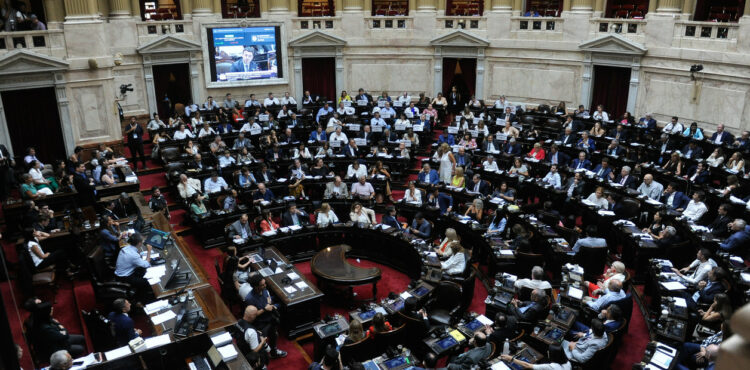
[566, 5]
[518, 7]
[599, 6]
[687, 7]
[502, 6]
[54, 10]
[135, 7]
[81, 10]
[353, 5]
[652, 6]
[669, 6]
[148, 74]
[64, 111]
[202, 7]
[431, 5]
[746, 13]
[217, 7]
[4, 134]
[581, 6]
[119, 8]
[278, 6]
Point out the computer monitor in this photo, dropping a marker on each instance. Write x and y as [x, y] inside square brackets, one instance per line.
[157, 239]
[473, 325]
[366, 315]
[420, 291]
[446, 343]
[329, 329]
[395, 362]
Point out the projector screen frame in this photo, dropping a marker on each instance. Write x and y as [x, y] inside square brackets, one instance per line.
[283, 48]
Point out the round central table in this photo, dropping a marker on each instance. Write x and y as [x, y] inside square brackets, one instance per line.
[331, 268]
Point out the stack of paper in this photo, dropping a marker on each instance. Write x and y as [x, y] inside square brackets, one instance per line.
[156, 306]
[153, 274]
[160, 340]
[117, 353]
[673, 285]
[221, 339]
[162, 317]
[228, 352]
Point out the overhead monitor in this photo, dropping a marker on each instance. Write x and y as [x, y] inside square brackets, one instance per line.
[245, 56]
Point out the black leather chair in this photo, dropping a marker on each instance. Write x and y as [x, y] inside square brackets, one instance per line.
[681, 253]
[101, 330]
[169, 154]
[443, 308]
[29, 278]
[626, 306]
[526, 261]
[592, 260]
[358, 351]
[416, 330]
[617, 334]
[630, 209]
[390, 338]
[106, 289]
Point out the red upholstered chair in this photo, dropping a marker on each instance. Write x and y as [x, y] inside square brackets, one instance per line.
[636, 14]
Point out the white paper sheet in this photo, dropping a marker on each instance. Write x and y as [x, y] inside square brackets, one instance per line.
[117, 353]
[673, 285]
[155, 306]
[162, 317]
[221, 339]
[157, 341]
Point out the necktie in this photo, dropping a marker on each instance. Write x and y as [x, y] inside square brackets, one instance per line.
[247, 68]
[622, 181]
[601, 170]
[580, 164]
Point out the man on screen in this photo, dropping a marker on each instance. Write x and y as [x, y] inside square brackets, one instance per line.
[246, 64]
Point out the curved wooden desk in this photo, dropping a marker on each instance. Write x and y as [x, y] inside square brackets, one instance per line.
[331, 267]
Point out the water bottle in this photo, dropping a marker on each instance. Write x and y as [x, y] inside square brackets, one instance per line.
[506, 347]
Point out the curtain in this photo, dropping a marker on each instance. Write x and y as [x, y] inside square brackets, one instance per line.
[319, 76]
[36, 125]
[611, 86]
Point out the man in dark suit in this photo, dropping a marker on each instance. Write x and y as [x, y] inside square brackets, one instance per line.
[124, 326]
[294, 217]
[574, 186]
[625, 179]
[351, 150]
[720, 136]
[427, 175]
[503, 327]
[197, 163]
[568, 138]
[720, 226]
[555, 156]
[420, 227]
[84, 186]
[361, 95]
[648, 122]
[288, 136]
[109, 210]
[613, 316]
[6, 173]
[366, 134]
[581, 162]
[472, 357]
[508, 116]
[619, 133]
[264, 175]
[708, 289]
[530, 311]
[274, 153]
[416, 319]
[440, 200]
[692, 151]
[702, 174]
[245, 64]
[574, 125]
[463, 159]
[390, 218]
[240, 229]
[614, 149]
[603, 170]
[479, 186]
[134, 131]
[674, 199]
[490, 144]
[512, 148]
[586, 143]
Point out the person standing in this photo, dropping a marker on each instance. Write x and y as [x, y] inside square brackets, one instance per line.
[134, 132]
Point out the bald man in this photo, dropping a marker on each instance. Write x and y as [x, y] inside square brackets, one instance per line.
[650, 188]
[473, 356]
[613, 293]
[254, 338]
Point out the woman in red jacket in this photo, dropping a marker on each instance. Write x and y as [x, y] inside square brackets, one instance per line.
[537, 152]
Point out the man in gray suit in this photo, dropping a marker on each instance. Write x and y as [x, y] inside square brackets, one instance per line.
[240, 229]
[336, 189]
[582, 350]
[466, 360]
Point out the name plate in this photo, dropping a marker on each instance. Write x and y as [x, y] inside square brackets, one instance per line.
[385, 115]
[336, 143]
[453, 130]
[474, 133]
[353, 126]
[398, 104]
[501, 136]
[360, 141]
[418, 128]
[399, 127]
[255, 131]
[408, 114]
[362, 103]
[407, 143]
[381, 103]
[263, 118]
[377, 128]
[347, 103]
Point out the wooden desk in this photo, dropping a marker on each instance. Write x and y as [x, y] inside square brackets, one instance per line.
[210, 303]
[330, 266]
[140, 202]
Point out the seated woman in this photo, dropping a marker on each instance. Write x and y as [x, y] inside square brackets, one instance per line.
[197, 208]
[192, 149]
[616, 271]
[519, 168]
[109, 177]
[301, 152]
[109, 236]
[356, 332]
[505, 193]
[267, 224]
[412, 194]
[468, 142]
[693, 132]
[458, 180]
[719, 311]
[498, 223]
[443, 249]
[476, 211]
[244, 156]
[39, 180]
[597, 130]
[537, 152]
[29, 191]
[675, 165]
[482, 129]
[42, 259]
[379, 325]
[627, 119]
[49, 336]
[456, 264]
[326, 216]
[362, 215]
[657, 226]
[320, 169]
[411, 136]
[716, 158]
[736, 163]
[598, 199]
[324, 151]
[379, 170]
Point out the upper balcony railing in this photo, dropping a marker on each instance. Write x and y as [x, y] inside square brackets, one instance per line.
[50, 42]
[149, 31]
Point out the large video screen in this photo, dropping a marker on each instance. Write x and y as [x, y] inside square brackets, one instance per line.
[243, 54]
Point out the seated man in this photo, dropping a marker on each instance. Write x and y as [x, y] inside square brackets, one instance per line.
[240, 229]
[536, 282]
[131, 268]
[624, 178]
[188, 186]
[613, 319]
[700, 267]
[478, 185]
[674, 199]
[428, 175]
[420, 227]
[502, 328]
[581, 162]
[709, 288]
[590, 240]
[739, 240]
[336, 189]
[262, 194]
[436, 199]
[411, 312]
[389, 218]
[613, 293]
[473, 356]
[603, 170]
[124, 326]
[584, 348]
[214, 184]
[533, 310]
[158, 203]
[650, 188]
[553, 178]
[363, 189]
[694, 355]
[294, 216]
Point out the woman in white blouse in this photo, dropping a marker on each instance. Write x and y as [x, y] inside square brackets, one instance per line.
[598, 199]
[402, 151]
[301, 152]
[482, 128]
[456, 264]
[402, 120]
[108, 177]
[510, 131]
[182, 133]
[356, 170]
[411, 136]
[324, 151]
[326, 216]
[600, 114]
[284, 112]
[361, 214]
[696, 208]
[716, 158]
[412, 194]
[736, 163]
[467, 114]
[38, 178]
[206, 130]
[197, 120]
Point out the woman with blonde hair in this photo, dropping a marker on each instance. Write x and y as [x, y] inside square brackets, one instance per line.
[458, 179]
[443, 248]
[326, 216]
[476, 210]
[447, 163]
[356, 332]
[456, 264]
[597, 130]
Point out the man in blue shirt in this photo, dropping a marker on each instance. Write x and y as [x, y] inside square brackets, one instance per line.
[262, 193]
[739, 240]
[420, 227]
[613, 293]
[267, 320]
[590, 240]
[322, 112]
[428, 175]
[131, 267]
[377, 121]
[445, 137]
